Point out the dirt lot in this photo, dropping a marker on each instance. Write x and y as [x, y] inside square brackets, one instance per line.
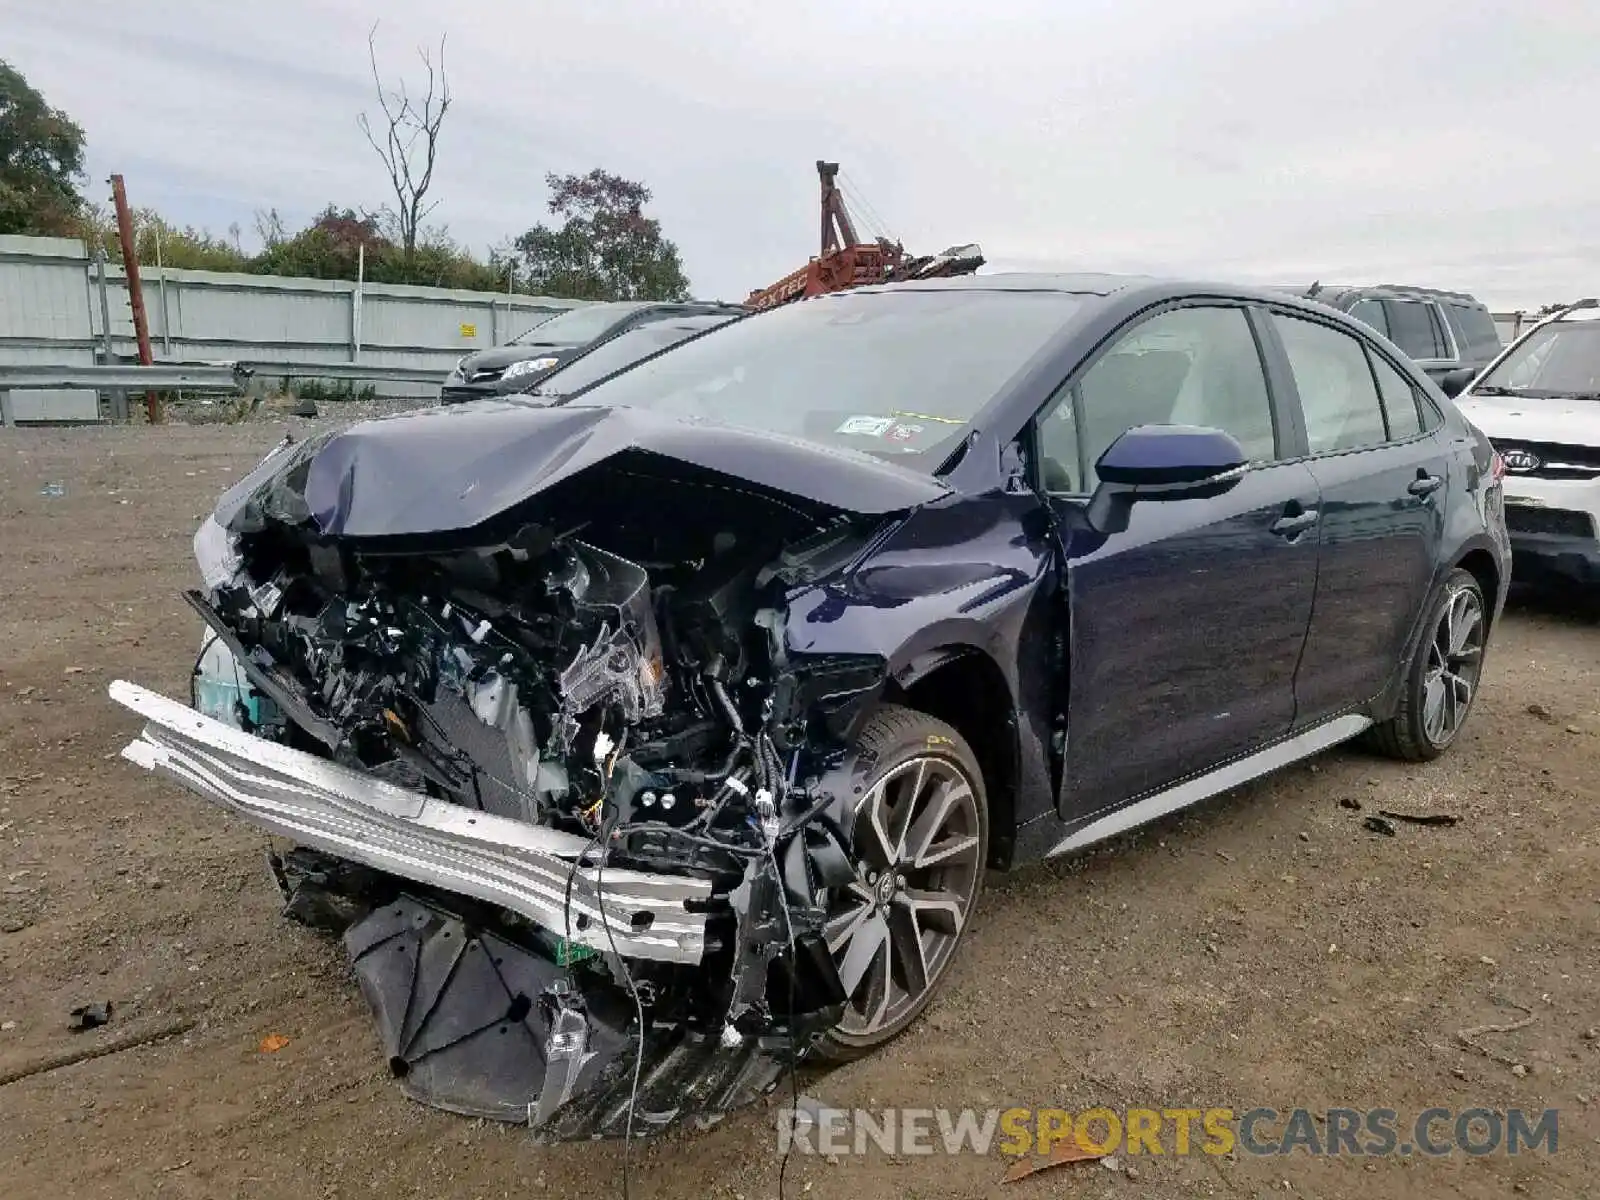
[1263, 951]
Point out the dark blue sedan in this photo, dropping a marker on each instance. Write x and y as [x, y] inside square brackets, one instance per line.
[739, 667]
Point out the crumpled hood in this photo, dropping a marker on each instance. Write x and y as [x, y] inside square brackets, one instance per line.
[441, 470]
[1534, 419]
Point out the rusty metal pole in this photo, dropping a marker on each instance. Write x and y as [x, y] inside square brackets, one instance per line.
[130, 267]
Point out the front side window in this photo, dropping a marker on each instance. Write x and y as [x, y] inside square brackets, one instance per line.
[1187, 366]
[1370, 314]
[1335, 383]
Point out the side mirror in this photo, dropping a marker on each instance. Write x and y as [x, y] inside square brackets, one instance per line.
[1453, 383]
[1162, 462]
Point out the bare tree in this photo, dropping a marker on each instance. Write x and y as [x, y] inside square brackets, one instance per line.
[410, 141]
[270, 228]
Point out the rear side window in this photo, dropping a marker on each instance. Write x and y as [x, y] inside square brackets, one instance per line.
[1415, 329]
[1475, 323]
[1399, 400]
[1335, 383]
[1370, 313]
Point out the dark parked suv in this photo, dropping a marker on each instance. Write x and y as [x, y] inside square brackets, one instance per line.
[1444, 333]
[530, 356]
[742, 666]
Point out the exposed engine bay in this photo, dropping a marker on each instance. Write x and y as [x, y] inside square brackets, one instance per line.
[567, 806]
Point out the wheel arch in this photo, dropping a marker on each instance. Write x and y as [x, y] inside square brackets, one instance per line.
[963, 686]
[1483, 567]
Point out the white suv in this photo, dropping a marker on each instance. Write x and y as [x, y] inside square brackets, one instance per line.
[1539, 403]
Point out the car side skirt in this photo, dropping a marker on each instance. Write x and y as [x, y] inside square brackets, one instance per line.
[1212, 783]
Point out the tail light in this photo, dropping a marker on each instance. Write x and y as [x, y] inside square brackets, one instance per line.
[1497, 467]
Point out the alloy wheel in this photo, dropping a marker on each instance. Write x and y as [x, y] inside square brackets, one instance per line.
[1455, 659]
[893, 928]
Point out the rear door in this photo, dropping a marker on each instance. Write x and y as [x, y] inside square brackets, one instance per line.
[1419, 328]
[1383, 474]
[1185, 628]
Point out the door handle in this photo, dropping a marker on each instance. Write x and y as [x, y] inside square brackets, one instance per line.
[1425, 485]
[1296, 524]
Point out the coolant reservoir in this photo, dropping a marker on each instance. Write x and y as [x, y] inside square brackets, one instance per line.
[221, 687]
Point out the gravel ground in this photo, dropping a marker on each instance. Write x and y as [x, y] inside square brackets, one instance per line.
[1262, 950]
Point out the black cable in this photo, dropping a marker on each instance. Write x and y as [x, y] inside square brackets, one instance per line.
[638, 1005]
[794, 962]
[572, 874]
[728, 709]
[603, 832]
[685, 836]
[194, 673]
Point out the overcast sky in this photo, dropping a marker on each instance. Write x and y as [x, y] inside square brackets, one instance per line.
[1436, 142]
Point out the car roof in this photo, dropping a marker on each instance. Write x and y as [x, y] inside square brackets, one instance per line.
[1077, 283]
[1129, 288]
[1335, 293]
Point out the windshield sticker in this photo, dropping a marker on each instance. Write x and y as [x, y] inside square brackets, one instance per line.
[903, 433]
[930, 417]
[867, 426]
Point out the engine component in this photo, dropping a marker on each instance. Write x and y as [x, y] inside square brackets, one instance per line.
[542, 788]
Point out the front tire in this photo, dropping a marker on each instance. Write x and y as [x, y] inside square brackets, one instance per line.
[1441, 680]
[921, 842]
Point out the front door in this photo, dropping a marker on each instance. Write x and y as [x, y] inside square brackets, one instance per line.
[1186, 628]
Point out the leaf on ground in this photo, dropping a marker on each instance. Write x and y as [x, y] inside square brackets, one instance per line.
[272, 1043]
[1062, 1156]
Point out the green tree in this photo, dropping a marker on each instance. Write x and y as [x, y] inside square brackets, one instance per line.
[331, 247]
[605, 248]
[41, 161]
[156, 240]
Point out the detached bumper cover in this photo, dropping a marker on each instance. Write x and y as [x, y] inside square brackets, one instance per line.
[521, 867]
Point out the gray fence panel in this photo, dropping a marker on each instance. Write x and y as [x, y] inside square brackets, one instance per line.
[44, 319]
[50, 312]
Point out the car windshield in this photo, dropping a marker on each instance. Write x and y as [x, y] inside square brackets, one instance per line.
[891, 373]
[617, 352]
[1561, 359]
[576, 325]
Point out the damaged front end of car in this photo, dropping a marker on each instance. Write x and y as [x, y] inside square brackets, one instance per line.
[519, 691]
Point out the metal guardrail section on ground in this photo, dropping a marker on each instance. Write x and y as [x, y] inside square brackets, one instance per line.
[195, 377]
[192, 377]
[356, 372]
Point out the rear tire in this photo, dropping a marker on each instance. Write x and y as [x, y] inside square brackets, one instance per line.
[1441, 680]
[921, 842]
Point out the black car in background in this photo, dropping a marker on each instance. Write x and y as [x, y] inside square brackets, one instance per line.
[529, 357]
[1450, 335]
[623, 350]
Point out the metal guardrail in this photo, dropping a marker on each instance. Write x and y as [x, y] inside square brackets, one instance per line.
[195, 377]
[192, 377]
[359, 372]
[118, 379]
